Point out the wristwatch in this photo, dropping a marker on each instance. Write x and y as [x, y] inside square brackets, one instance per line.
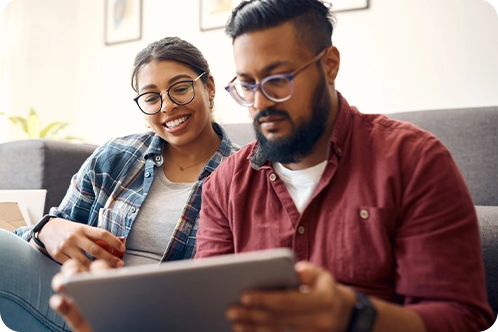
[363, 316]
[39, 225]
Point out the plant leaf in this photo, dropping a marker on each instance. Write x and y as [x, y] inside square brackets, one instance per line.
[52, 129]
[18, 121]
[33, 125]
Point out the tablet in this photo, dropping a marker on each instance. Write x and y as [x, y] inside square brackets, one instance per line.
[189, 295]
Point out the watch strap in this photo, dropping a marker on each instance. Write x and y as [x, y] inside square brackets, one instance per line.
[363, 315]
[38, 226]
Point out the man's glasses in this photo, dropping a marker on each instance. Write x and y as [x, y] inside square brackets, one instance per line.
[181, 93]
[277, 88]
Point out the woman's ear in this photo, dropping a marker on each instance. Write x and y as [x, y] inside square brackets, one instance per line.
[211, 87]
[331, 61]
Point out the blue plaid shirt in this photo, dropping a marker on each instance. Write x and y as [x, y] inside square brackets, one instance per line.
[120, 173]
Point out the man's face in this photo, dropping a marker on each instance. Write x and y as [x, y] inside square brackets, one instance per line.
[286, 131]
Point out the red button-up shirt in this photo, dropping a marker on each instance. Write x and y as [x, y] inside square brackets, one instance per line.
[391, 217]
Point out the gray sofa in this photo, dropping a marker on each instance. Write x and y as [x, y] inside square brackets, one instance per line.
[41, 164]
[471, 135]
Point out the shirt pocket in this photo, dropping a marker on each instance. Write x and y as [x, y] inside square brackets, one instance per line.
[364, 245]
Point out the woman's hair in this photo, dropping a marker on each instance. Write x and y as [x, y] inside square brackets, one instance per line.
[312, 20]
[170, 49]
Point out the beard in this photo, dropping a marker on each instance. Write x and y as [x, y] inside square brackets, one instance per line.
[300, 143]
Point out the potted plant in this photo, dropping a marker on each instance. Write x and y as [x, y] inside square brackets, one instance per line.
[32, 127]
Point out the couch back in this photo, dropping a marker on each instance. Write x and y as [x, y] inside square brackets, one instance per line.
[41, 164]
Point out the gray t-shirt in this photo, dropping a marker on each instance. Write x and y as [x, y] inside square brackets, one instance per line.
[156, 221]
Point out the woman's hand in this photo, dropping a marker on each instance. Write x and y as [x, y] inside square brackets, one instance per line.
[64, 239]
[63, 304]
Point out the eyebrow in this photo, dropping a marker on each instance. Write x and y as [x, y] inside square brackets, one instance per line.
[170, 81]
[266, 70]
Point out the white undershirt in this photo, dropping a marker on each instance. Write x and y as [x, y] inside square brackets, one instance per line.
[301, 184]
[156, 220]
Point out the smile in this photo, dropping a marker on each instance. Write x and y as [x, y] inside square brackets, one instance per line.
[175, 123]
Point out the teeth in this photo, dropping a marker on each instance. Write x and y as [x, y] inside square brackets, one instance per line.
[175, 123]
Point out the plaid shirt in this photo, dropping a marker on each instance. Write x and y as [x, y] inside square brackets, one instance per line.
[119, 174]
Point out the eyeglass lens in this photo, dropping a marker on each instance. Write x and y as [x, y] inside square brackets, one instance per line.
[277, 87]
[180, 93]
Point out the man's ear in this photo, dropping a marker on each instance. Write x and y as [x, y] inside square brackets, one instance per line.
[331, 61]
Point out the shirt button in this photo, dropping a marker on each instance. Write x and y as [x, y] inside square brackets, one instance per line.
[364, 214]
[147, 174]
[273, 177]
[159, 160]
[339, 150]
[300, 230]
[133, 209]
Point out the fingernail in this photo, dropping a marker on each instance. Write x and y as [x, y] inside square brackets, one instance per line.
[231, 314]
[119, 264]
[245, 299]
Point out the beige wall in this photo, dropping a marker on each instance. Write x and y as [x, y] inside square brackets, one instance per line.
[396, 56]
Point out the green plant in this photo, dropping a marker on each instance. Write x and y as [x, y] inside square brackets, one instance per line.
[31, 125]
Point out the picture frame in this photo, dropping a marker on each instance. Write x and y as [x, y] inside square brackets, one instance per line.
[349, 5]
[123, 21]
[214, 13]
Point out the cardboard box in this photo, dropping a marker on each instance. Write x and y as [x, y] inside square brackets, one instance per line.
[11, 216]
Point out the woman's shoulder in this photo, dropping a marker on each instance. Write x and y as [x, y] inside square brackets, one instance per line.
[133, 145]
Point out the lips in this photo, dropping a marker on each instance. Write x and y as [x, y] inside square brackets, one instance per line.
[266, 119]
[176, 122]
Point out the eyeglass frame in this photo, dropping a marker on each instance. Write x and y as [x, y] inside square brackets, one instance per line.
[289, 77]
[191, 82]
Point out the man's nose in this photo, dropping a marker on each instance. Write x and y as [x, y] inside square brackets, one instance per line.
[261, 102]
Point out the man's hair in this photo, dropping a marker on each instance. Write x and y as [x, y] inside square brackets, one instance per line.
[312, 19]
[170, 49]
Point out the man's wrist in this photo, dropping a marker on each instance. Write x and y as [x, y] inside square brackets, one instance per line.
[363, 316]
[37, 228]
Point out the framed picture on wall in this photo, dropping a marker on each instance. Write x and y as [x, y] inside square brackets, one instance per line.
[214, 13]
[347, 5]
[123, 21]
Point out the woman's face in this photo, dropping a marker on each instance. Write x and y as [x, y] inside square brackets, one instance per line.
[179, 125]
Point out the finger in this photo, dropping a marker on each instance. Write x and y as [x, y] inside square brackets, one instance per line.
[69, 268]
[100, 265]
[249, 319]
[98, 252]
[104, 235]
[67, 309]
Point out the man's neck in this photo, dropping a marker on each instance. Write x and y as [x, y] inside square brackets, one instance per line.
[321, 147]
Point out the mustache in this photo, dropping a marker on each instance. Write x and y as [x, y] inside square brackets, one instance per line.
[270, 112]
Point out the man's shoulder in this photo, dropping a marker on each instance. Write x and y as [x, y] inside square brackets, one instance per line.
[238, 161]
[380, 126]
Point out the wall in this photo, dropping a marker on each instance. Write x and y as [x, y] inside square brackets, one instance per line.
[396, 56]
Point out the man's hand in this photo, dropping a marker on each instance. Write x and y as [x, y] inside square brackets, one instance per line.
[64, 239]
[63, 304]
[320, 305]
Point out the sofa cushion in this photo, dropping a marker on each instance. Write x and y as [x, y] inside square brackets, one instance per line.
[488, 227]
[41, 164]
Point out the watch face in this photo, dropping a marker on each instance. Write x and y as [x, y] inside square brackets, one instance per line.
[366, 319]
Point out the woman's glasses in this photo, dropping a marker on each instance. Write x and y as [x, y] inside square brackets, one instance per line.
[181, 93]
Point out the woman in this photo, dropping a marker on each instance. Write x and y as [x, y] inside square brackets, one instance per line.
[155, 177]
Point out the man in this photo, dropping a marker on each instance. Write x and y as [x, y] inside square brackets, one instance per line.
[377, 209]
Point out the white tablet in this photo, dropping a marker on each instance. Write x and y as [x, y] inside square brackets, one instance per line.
[189, 295]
